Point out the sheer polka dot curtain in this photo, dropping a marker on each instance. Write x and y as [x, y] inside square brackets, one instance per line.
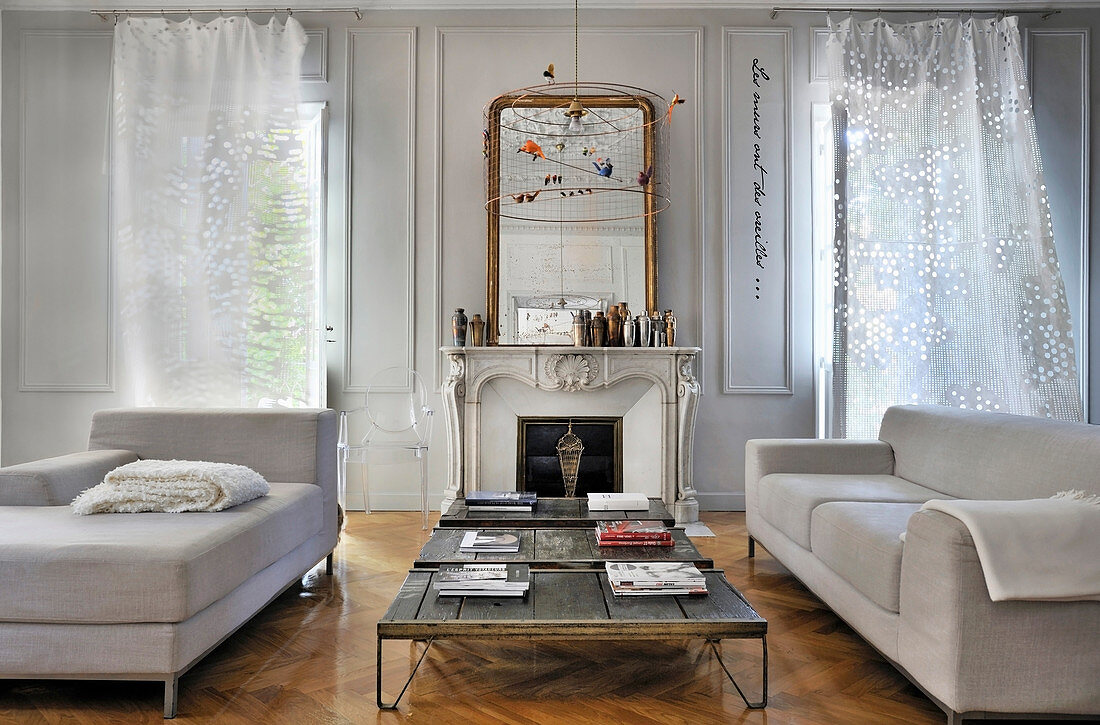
[214, 247]
[946, 281]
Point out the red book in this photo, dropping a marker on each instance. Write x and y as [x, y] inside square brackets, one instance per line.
[634, 542]
[632, 531]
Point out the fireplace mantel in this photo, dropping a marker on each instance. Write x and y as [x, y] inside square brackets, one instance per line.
[655, 386]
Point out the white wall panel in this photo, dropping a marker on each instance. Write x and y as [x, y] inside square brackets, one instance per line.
[757, 283]
[65, 305]
[1058, 64]
[381, 102]
[476, 64]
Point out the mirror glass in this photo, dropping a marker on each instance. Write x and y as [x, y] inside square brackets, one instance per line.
[570, 226]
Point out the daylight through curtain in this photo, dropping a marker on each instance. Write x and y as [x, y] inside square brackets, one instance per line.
[947, 285]
[214, 249]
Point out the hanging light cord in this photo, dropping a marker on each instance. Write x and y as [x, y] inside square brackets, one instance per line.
[576, 46]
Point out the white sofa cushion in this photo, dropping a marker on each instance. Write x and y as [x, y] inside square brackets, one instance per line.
[981, 455]
[861, 542]
[787, 500]
[148, 567]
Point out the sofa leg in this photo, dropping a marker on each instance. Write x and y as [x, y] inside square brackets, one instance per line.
[752, 547]
[171, 694]
[328, 563]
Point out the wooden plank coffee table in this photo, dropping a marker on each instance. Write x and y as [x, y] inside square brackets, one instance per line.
[548, 513]
[568, 604]
[559, 549]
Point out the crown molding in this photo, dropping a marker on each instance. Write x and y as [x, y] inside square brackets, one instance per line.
[378, 5]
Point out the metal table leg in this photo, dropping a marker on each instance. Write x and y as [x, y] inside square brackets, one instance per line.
[393, 706]
[764, 671]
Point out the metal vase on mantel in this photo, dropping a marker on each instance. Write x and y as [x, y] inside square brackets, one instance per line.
[570, 448]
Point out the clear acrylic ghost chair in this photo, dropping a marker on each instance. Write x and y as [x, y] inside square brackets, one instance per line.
[398, 418]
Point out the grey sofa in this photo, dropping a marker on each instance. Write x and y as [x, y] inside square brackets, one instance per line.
[146, 596]
[832, 512]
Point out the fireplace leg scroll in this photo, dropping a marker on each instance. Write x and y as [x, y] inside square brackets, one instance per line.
[686, 506]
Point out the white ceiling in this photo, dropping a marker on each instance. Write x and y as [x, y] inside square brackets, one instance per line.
[305, 5]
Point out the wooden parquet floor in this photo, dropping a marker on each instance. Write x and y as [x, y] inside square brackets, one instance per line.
[310, 658]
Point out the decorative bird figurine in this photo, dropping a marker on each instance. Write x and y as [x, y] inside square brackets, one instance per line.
[530, 147]
[548, 74]
[588, 150]
[676, 100]
[603, 166]
[644, 177]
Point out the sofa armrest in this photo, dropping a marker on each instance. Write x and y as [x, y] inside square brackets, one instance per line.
[974, 654]
[57, 481]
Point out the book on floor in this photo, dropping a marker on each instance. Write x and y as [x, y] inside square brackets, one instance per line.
[632, 530]
[617, 502]
[493, 541]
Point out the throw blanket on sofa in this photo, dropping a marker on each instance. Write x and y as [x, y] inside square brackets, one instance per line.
[172, 487]
[1038, 549]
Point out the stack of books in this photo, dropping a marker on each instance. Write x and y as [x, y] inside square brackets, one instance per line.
[492, 541]
[633, 533]
[483, 580]
[501, 500]
[638, 578]
[617, 502]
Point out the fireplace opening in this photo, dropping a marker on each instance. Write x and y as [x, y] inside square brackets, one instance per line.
[601, 464]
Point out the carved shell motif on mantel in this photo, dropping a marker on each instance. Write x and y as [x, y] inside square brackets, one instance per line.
[571, 372]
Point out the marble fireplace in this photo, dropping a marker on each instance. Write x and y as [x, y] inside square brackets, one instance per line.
[653, 390]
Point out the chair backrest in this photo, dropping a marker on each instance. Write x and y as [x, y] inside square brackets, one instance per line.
[397, 408]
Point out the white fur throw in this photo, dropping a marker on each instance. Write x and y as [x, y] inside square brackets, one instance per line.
[172, 487]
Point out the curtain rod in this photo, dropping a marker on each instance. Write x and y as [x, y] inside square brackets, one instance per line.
[104, 14]
[1044, 12]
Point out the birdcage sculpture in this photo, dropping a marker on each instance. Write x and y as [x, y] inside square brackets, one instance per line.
[570, 448]
[576, 153]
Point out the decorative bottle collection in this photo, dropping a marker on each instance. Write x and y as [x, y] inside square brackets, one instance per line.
[619, 328]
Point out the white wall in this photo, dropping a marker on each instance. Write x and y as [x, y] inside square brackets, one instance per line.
[406, 237]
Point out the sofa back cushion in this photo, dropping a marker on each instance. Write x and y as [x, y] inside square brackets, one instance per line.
[280, 444]
[981, 455]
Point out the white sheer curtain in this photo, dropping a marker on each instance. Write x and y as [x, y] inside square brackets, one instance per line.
[213, 250]
[947, 288]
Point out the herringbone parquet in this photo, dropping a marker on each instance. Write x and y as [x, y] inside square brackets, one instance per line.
[310, 658]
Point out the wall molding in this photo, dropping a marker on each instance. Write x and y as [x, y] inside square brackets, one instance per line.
[728, 384]
[322, 72]
[107, 385]
[1082, 326]
[819, 72]
[698, 97]
[348, 385]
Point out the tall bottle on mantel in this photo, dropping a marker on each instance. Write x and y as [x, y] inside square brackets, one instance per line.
[599, 329]
[580, 329]
[614, 327]
[459, 321]
[670, 328]
[645, 330]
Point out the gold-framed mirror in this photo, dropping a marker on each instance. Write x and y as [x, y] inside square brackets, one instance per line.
[571, 211]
